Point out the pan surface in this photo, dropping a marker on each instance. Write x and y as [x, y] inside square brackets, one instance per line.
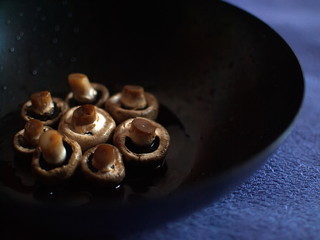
[228, 85]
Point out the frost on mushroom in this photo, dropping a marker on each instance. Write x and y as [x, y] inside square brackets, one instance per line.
[132, 102]
[83, 91]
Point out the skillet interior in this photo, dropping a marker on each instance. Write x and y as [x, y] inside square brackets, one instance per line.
[228, 85]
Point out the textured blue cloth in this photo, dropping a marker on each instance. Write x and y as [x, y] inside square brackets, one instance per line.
[282, 199]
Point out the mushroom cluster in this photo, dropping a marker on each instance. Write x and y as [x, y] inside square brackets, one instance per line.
[91, 132]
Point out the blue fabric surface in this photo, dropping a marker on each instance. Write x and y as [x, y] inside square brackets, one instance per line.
[281, 200]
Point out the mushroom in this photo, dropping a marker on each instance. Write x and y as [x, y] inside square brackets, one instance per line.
[56, 158]
[132, 102]
[103, 165]
[88, 125]
[43, 107]
[141, 141]
[83, 91]
[27, 139]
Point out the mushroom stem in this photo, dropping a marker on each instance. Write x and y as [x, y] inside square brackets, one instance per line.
[81, 87]
[142, 132]
[83, 117]
[32, 131]
[51, 144]
[132, 97]
[42, 102]
[103, 156]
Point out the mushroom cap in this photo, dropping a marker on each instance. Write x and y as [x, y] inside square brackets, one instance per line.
[60, 104]
[61, 172]
[120, 114]
[122, 132]
[87, 141]
[99, 88]
[111, 177]
[20, 144]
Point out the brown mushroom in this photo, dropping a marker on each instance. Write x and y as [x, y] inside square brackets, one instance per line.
[132, 102]
[88, 125]
[83, 91]
[142, 141]
[103, 165]
[56, 158]
[43, 107]
[27, 139]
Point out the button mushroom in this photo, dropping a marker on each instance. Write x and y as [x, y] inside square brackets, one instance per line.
[132, 102]
[83, 91]
[43, 107]
[27, 139]
[88, 125]
[103, 165]
[56, 158]
[142, 141]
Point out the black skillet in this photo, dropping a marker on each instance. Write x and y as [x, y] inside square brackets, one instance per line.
[228, 85]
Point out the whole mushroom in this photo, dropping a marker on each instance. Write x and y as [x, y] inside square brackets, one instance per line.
[103, 165]
[132, 102]
[142, 141]
[85, 92]
[27, 139]
[56, 157]
[43, 107]
[88, 125]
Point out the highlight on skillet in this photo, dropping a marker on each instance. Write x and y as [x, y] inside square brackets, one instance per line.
[91, 134]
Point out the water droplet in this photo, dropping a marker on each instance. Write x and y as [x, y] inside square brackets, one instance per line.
[8, 21]
[21, 33]
[1, 68]
[12, 49]
[43, 18]
[21, 14]
[4, 87]
[55, 40]
[38, 9]
[34, 72]
[18, 37]
[73, 59]
[57, 28]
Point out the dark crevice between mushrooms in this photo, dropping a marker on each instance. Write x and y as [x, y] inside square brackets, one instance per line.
[25, 144]
[48, 116]
[46, 166]
[129, 108]
[72, 102]
[90, 165]
[142, 149]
